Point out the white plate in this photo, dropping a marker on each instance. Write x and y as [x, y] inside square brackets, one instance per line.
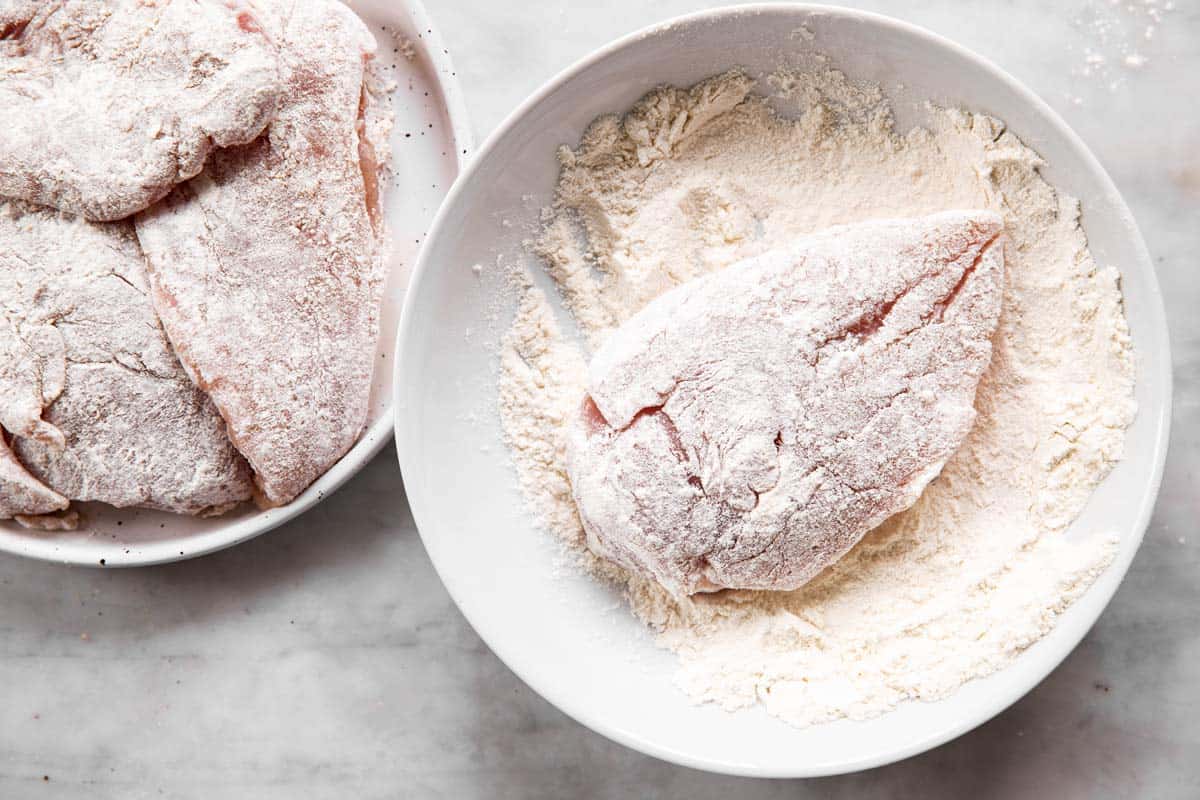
[567, 636]
[429, 148]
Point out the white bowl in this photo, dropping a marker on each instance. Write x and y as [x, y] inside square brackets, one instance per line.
[429, 108]
[567, 636]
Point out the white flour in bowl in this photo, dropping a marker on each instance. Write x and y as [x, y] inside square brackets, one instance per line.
[979, 569]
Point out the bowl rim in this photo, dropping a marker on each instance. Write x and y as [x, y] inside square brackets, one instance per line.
[1155, 330]
[374, 437]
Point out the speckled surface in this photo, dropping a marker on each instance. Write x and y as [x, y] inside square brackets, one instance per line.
[325, 660]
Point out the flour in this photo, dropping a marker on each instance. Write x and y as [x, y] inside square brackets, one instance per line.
[540, 392]
[1117, 36]
[405, 47]
[978, 569]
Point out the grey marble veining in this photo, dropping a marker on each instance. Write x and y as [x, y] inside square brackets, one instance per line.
[324, 660]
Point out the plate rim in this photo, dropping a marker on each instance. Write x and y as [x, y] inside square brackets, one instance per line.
[1156, 332]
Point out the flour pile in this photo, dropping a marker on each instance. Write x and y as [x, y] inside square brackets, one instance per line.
[692, 180]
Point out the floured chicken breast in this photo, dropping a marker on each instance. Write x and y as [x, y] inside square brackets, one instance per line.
[107, 104]
[21, 494]
[267, 269]
[90, 390]
[747, 428]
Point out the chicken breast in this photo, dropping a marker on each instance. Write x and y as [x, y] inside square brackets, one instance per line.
[267, 269]
[96, 402]
[746, 429]
[107, 104]
[21, 494]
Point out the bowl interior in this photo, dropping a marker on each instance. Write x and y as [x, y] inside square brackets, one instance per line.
[569, 637]
[429, 146]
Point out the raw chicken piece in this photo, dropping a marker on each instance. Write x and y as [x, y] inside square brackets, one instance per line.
[747, 428]
[21, 494]
[267, 269]
[90, 389]
[107, 104]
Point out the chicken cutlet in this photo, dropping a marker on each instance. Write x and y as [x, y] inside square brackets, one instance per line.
[267, 268]
[747, 428]
[21, 494]
[107, 104]
[96, 403]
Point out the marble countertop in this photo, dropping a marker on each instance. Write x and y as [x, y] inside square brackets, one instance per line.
[325, 660]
